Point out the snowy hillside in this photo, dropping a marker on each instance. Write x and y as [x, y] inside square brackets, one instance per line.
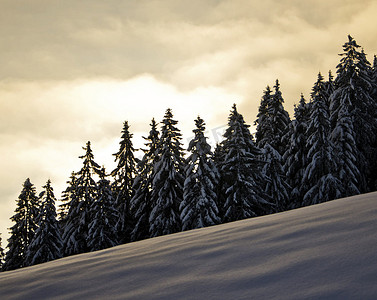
[326, 251]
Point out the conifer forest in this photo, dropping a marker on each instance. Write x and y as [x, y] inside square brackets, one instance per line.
[326, 151]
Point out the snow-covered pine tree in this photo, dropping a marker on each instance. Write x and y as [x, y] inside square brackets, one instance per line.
[295, 158]
[78, 218]
[167, 186]
[24, 228]
[66, 199]
[280, 119]
[276, 188]
[46, 244]
[124, 175]
[273, 120]
[352, 97]
[320, 174]
[346, 153]
[104, 217]
[264, 131]
[242, 172]
[141, 206]
[329, 88]
[199, 208]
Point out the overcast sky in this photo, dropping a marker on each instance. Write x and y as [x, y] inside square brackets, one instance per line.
[73, 71]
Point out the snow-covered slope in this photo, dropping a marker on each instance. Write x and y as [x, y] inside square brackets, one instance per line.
[327, 251]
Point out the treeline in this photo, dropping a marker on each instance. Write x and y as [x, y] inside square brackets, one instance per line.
[328, 151]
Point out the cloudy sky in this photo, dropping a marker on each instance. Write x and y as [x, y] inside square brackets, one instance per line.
[73, 71]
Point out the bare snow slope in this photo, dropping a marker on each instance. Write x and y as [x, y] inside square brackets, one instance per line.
[327, 251]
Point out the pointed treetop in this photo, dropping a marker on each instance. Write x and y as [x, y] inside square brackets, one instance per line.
[302, 100]
[318, 86]
[28, 183]
[125, 124]
[277, 85]
[88, 151]
[331, 77]
[47, 187]
[233, 112]
[200, 124]
[319, 77]
[351, 43]
[277, 96]
[168, 114]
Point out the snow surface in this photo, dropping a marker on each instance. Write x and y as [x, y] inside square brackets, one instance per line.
[326, 251]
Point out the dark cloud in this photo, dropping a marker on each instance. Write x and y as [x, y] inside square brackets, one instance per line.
[70, 39]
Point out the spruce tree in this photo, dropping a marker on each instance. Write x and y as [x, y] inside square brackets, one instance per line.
[199, 208]
[124, 175]
[280, 119]
[104, 217]
[242, 172]
[343, 138]
[264, 130]
[141, 206]
[78, 218]
[276, 188]
[67, 195]
[295, 157]
[167, 185]
[47, 243]
[352, 97]
[273, 120]
[320, 175]
[329, 88]
[24, 228]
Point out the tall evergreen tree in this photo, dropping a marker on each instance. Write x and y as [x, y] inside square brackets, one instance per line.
[78, 218]
[320, 176]
[24, 228]
[167, 186]
[273, 120]
[47, 243]
[66, 199]
[264, 130]
[346, 154]
[104, 217]
[280, 118]
[295, 158]
[352, 95]
[141, 206]
[242, 172]
[276, 188]
[199, 208]
[329, 88]
[124, 175]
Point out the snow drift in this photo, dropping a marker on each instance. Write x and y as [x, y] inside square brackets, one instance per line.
[326, 251]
